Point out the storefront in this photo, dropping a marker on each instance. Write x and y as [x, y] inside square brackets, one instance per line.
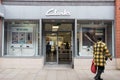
[70, 32]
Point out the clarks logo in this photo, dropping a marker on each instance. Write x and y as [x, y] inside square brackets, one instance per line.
[55, 12]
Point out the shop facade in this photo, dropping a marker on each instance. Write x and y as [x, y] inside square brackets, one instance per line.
[70, 32]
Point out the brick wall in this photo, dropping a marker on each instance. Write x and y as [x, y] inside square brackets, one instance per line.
[117, 30]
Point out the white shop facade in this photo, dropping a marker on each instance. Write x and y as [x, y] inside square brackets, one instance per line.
[70, 30]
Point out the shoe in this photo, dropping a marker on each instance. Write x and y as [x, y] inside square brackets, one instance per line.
[100, 79]
[98, 75]
[96, 78]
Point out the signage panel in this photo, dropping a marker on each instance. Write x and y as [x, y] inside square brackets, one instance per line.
[56, 12]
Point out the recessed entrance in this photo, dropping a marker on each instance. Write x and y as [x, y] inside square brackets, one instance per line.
[58, 41]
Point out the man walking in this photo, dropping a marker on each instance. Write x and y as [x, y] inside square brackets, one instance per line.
[100, 55]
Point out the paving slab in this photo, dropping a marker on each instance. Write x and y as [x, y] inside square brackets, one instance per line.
[54, 74]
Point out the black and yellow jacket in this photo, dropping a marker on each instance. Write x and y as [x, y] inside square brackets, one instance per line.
[100, 52]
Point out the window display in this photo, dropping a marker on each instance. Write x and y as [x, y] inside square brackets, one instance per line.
[90, 35]
[87, 35]
[21, 35]
[21, 38]
[14, 37]
[28, 38]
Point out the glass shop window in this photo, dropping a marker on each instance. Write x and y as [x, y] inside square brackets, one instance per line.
[21, 38]
[28, 38]
[89, 31]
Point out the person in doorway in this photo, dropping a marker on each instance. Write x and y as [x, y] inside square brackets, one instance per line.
[48, 48]
[100, 55]
[67, 45]
[62, 47]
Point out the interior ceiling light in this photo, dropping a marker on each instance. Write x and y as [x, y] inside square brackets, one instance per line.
[55, 28]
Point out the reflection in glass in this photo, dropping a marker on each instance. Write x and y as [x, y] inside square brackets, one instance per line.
[51, 42]
[21, 37]
[88, 36]
[28, 38]
[14, 37]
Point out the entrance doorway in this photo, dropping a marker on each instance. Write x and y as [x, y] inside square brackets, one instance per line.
[57, 41]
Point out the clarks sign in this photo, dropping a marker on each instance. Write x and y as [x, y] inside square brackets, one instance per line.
[56, 12]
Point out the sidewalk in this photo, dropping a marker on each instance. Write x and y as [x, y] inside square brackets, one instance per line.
[54, 74]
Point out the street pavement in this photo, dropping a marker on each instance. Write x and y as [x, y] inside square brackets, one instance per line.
[54, 74]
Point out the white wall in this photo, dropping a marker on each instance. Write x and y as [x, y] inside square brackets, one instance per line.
[1, 11]
[22, 63]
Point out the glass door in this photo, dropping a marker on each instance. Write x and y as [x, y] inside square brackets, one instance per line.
[57, 36]
[64, 47]
[51, 47]
[58, 47]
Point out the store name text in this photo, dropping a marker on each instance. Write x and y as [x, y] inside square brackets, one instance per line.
[55, 12]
